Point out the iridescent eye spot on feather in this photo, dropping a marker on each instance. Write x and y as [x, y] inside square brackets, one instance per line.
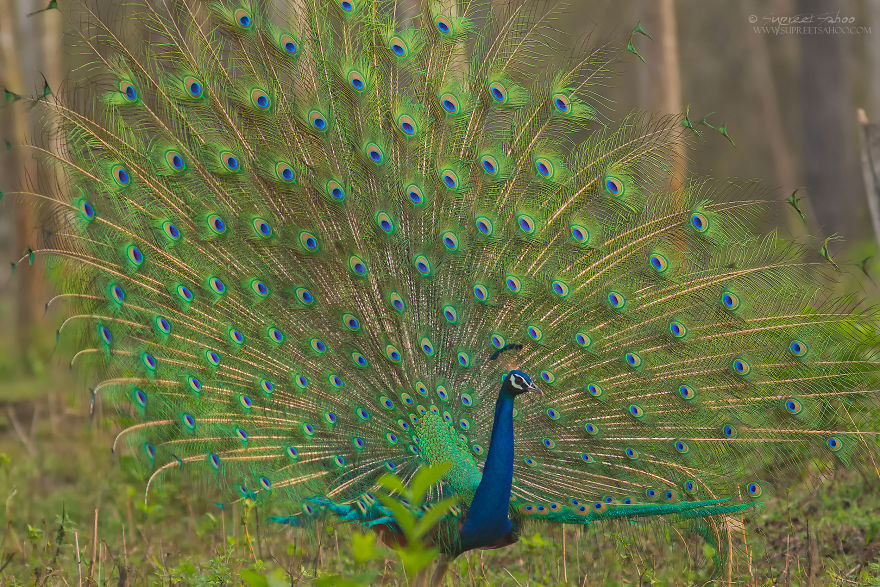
[636, 411]
[690, 486]
[261, 228]
[422, 390]
[616, 300]
[423, 265]
[357, 80]
[464, 359]
[120, 175]
[318, 345]
[359, 360]
[583, 340]
[497, 340]
[188, 421]
[284, 172]
[498, 92]
[117, 294]
[699, 222]
[385, 222]
[545, 167]
[580, 234]
[128, 91]
[170, 231]
[288, 44]
[561, 103]
[150, 450]
[407, 125]
[450, 103]
[464, 424]
[548, 376]
[140, 397]
[335, 190]
[414, 193]
[392, 353]
[134, 256]
[450, 314]
[730, 300]
[162, 325]
[391, 438]
[669, 496]
[291, 453]
[592, 429]
[357, 265]
[659, 263]
[754, 488]
[318, 120]
[681, 446]
[243, 18]
[427, 346]
[86, 210]
[358, 443]
[450, 240]
[631, 454]
[560, 288]
[194, 384]
[217, 286]
[526, 223]
[677, 329]
[530, 461]
[587, 459]
[513, 283]
[594, 389]
[444, 25]
[741, 367]
[406, 398]
[230, 161]
[275, 335]
[552, 414]
[259, 288]
[834, 444]
[651, 493]
[193, 87]
[399, 47]
[260, 99]
[375, 153]
[212, 358]
[175, 161]
[548, 443]
[215, 224]
[347, 6]
[614, 185]
[484, 225]
[397, 302]
[793, 406]
[235, 336]
[489, 165]
[481, 292]
[104, 334]
[466, 400]
[450, 179]
[687, 392]
[728, 431]
[534, 332]
[798, 348]
[308, 429]
[304, 296]
[350, 322]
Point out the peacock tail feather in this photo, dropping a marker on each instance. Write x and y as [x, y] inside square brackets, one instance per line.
[299, 233]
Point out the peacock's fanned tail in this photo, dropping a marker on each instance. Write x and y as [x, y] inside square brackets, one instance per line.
[298, 234]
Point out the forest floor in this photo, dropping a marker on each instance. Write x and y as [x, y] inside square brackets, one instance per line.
[75, 516]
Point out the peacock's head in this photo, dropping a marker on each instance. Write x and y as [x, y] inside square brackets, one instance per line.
[518, 382]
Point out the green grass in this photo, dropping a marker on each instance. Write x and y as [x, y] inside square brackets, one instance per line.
[59, 484]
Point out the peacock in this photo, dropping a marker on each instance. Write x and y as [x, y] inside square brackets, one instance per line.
[308, 243]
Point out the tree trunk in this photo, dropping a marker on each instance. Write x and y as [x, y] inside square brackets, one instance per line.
[21, 169]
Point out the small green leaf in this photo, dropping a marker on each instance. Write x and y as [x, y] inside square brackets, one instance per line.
[363, 547]
[424, 479]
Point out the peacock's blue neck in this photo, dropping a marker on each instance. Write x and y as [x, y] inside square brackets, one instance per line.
[487, 520]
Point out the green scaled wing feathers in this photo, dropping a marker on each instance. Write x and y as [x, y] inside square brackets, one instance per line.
[301, 230]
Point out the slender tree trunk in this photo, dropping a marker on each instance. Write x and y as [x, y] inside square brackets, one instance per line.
[20, 173]
[660, 77]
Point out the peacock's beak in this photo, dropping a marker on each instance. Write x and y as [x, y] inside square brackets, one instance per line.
[534, 388]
